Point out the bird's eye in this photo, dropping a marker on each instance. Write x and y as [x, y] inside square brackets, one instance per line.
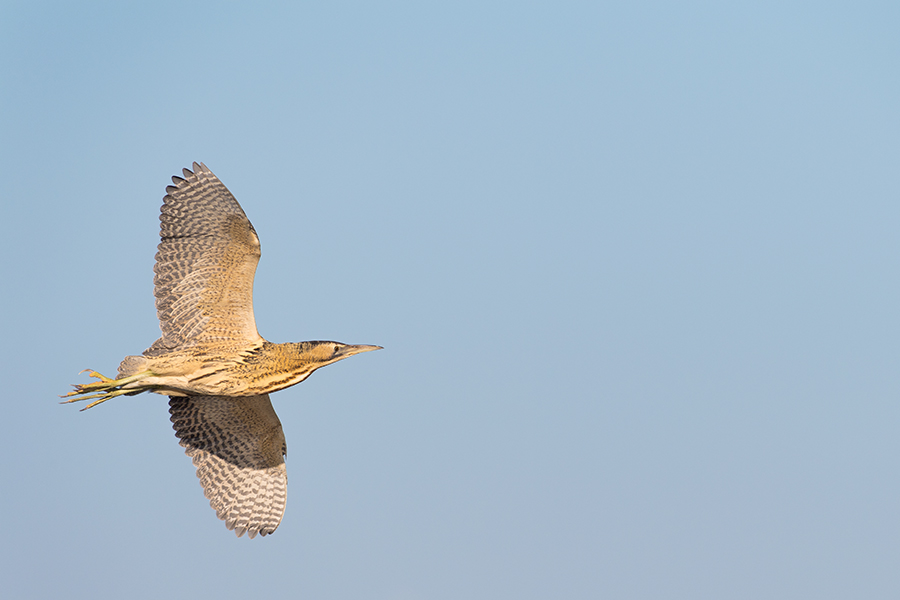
[336, 348]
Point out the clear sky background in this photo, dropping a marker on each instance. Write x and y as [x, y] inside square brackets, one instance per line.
[634, 266]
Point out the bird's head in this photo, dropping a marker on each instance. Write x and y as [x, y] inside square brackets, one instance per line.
[325, 353]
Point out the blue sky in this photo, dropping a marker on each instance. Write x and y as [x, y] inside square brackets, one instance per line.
[634, 266]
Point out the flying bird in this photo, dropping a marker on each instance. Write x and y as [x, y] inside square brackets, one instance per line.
[210, 360]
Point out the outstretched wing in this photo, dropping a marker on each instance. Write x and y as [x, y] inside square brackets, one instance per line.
[207, 258]
[238, 447]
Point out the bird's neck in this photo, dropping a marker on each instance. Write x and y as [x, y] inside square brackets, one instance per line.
[286, 364]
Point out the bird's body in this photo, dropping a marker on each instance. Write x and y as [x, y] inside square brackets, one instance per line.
[211, 361]
[241, 371]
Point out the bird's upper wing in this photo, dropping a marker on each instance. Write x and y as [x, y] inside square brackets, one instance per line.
[207, 258]
[238, 447]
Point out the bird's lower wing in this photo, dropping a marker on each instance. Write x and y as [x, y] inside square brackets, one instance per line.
[238, 447]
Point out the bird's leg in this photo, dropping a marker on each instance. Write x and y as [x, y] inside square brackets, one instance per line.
[104, 389]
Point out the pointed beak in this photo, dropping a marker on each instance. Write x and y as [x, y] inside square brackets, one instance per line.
[351, 350]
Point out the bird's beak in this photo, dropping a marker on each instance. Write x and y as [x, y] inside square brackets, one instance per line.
[351, 350]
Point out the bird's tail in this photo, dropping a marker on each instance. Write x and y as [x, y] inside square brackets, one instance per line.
[132, 365]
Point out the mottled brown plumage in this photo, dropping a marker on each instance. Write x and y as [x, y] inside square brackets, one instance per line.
[211, 361]
[205, 264]
[238, 448]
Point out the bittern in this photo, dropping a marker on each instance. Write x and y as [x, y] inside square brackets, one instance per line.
[210, 360]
